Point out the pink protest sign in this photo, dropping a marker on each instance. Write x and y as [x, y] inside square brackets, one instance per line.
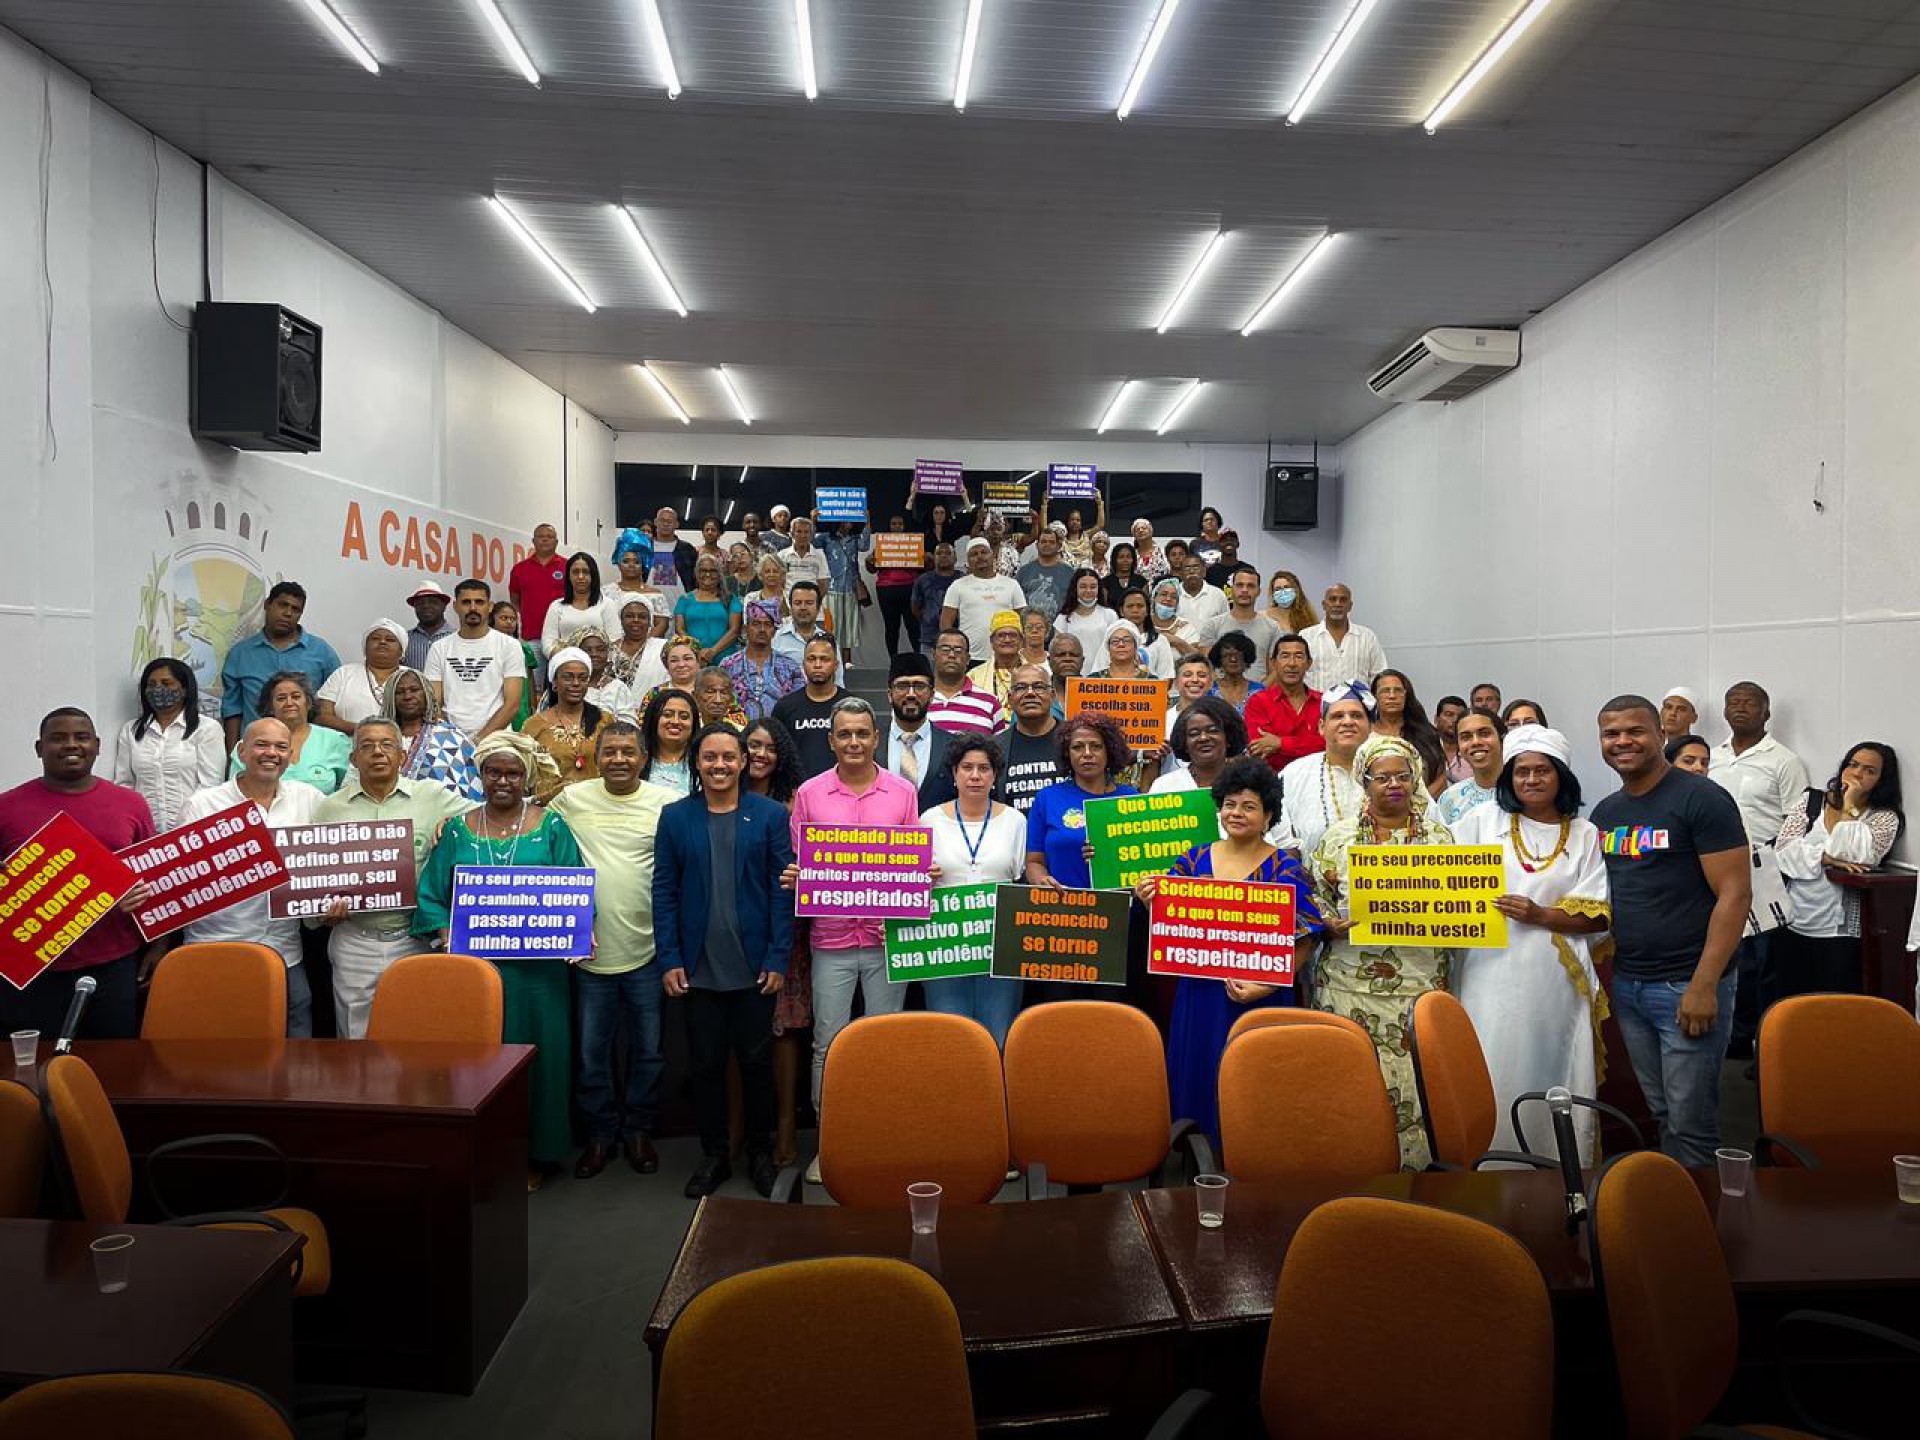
[869, 872]
[939, 477]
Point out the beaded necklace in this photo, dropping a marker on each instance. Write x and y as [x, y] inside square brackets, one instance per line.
[488, 840]
[1527, 858]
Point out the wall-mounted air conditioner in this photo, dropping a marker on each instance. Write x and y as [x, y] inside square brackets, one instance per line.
[1447, 363]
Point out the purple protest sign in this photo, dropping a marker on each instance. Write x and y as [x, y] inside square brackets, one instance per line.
[938, 477]
[1073, 482]
[869, 872]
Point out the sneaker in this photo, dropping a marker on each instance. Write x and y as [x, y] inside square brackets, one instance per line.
[813, 1171]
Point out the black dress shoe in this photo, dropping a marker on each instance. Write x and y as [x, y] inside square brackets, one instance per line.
[762, 1172]
[592, 1160]
[714, 1172]
[641, 1154]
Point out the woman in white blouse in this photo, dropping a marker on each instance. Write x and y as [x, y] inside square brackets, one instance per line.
[1087, 620]
[977, 841]
[1850, 826]
[170, 750]
[352, 693]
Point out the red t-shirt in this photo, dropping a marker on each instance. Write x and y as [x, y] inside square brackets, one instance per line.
[1271, 713]
[534, 584]
[113, 815]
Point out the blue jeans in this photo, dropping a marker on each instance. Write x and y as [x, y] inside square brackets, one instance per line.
[299, 1004]
[1679, 1074]
[603, 1002]
[992, 1002]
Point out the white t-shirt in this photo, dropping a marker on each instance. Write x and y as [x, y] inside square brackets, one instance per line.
[353, 692]
[1002, 846]
[1089, 630]
[975, 602]
[473, 675]
[564, 621]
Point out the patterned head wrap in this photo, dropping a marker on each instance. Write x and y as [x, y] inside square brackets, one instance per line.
[768, 610]
[1352, 690]
[1376, 747]
[632, 539]
[534, 760]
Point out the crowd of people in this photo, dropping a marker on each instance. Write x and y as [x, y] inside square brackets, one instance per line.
[672, 723]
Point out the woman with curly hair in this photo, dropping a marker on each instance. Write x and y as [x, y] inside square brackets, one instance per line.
[1092, 752]
[1377, 984]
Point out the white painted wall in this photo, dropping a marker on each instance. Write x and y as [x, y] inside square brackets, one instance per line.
[1634, 507]
[428, 435]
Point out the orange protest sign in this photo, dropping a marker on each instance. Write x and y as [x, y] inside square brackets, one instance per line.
[899, 552]
[1138, 707]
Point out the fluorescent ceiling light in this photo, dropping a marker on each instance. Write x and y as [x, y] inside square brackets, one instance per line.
[666, 396]
[1158, 33]
[508, 42]
[1030, 475]
[803, 24]
[1186, 395]
[541, 253]
[654, 267]
[663, 53]
[964, 77]
[739, 405]
[1294, 276]
[1343, 38]
[1488, 59]
[342, 36]
[1193, 278]
[1113, 405]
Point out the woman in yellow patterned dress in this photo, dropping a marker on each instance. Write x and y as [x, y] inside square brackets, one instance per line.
[1377, 984]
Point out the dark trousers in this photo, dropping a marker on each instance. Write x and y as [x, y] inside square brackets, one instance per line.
[1806, 964]
[737, 1023]
[896, 610]
[603, 1003]
[111, 1014]
[1758, 985]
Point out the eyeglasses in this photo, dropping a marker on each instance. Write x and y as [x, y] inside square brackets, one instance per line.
[913, 687]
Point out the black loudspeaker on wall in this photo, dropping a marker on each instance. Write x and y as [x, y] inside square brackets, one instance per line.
[1293, 497]
[255, 377]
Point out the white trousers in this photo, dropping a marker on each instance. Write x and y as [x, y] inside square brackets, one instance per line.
[360, 958]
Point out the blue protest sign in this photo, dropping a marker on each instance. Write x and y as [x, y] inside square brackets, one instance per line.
[1073, 482]
[521, 912]
[841, 502]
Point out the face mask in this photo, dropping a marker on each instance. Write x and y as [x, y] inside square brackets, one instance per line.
[1283, 597]
[163, 697]
[1165, 612]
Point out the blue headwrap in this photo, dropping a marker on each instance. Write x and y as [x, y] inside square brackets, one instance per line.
[632, 539]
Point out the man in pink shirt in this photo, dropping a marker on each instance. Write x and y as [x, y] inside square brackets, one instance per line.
[847, 952]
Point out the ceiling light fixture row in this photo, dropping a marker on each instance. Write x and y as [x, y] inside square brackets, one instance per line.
[663, 53]
[1489, 58]
[1292, 278]
[508, 43]
[969, 38]
[540, 252]
[803, 26]
[658, 385]
[1336, 51]
[1162, 22]
[1167, 421]
[338, 32]
[654, 268]
[648, 374]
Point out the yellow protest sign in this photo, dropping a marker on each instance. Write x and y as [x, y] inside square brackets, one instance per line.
[1438, 895]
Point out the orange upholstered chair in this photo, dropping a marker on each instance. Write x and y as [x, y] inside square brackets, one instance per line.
[1087, 1095]
[23, 1152]
[1292, 1015]
[1472, 1340]
[1305, 1102]
[224, 990]
[885, 1356]
[1456, 1089]
[914, 1096]
[1840, 1081]
[453, 998]
[169, 1406]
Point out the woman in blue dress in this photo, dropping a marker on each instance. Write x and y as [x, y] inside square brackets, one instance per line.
[1247, 798]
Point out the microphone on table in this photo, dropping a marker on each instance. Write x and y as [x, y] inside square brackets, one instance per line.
[83, 989]
[1560, 1102]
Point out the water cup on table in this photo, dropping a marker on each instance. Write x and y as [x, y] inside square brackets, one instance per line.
[112, 1257]
[26, 1048]
[923, 1199]
[1210, 1192]
[1736, 1170]
[1906, 1178]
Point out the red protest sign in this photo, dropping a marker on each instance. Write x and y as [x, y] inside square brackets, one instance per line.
[203, 867]
[55, 888]
[367, 863]
[1222, 930]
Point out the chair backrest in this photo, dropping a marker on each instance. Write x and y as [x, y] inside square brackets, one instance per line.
[454, 998]
[1840, 1074]
[169, 1406]
[1450, 1072]
[1472, 1340]
[914, 1096]
[1087, 1091]
[1305, 1102]
[87, 1135]
[1292, 1015]
[23, 1152]
[885, 1356]
[223, 990]
[1669, 1301]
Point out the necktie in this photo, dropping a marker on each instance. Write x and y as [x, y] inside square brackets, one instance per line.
[909, 761]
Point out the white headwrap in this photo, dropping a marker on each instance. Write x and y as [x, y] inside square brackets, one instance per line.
[1123, 627]
[973, 543]
[392, 627]
[1683, 693]
[1536, 740]
[572, 653]
[1352, 690]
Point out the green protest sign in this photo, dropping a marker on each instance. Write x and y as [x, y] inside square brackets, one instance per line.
[956, 939]
[1135, 835]
[1078, 936]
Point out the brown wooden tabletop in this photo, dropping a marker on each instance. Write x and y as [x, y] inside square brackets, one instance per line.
[186, 1289]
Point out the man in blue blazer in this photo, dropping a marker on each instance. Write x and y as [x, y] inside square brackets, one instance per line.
[723, 929]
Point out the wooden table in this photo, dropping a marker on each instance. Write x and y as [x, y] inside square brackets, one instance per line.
[414, 1156]
[214, 1301]
[1068, 1325]
[1886, 910]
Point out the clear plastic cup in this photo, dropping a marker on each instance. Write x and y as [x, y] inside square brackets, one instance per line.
[26, 1048]
[1736, 1170]
[112, 1257]
[923, 1199]
[1906, 1178]
[1210, 1192]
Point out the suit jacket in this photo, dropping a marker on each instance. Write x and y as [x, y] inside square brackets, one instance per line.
[936, 785]
[683, 883]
